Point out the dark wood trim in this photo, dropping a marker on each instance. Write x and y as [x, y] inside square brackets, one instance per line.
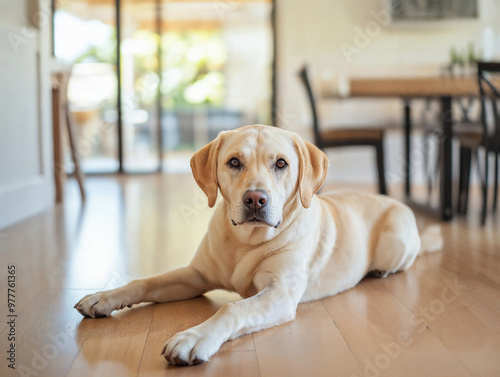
[274, 82]
[159, 110]
[446, 156]
[407, 129]
[495, 183]
[379, 148]
[119, 86]
[59, 171]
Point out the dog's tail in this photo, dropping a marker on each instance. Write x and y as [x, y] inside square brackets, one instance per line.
[431, 239]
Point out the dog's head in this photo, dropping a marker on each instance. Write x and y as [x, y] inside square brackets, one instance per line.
[259, 170]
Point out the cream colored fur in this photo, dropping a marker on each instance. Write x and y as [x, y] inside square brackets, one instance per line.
[308, 247]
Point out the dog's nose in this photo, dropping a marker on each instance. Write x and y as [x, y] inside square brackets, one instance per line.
[255, 199]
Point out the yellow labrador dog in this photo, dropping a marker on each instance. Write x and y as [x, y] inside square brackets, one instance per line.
[272, 240]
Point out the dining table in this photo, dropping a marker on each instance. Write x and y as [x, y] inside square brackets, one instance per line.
[442, 88]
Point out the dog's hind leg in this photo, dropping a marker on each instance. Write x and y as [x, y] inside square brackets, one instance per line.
[398, 243]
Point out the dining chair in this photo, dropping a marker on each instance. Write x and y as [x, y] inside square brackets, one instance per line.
[484, 135]
[345, 136]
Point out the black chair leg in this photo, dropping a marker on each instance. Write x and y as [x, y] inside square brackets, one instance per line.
[461, 182]
[382, 188]
[495, 185]
[466, 182]
[484, 184]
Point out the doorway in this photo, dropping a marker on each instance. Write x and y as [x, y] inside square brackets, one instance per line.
[153, 81]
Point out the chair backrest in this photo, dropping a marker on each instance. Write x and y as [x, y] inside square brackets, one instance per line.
[488, 74]
[305, 77]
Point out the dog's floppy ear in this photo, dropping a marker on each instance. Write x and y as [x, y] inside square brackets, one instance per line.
[204, 168]
[313, 166]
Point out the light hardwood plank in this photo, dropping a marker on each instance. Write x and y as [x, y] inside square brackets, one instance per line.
[236, 357]
[386, 336]
[49, 334]
[139, 226]
[463, 313]
[309, 346]
[115, 344]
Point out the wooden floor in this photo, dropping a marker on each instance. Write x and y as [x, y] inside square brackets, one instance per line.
[440, 318]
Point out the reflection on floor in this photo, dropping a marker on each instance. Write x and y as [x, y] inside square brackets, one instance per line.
[440, 318]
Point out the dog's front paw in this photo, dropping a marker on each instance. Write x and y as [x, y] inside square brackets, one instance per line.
[190, 347]
[98, 305]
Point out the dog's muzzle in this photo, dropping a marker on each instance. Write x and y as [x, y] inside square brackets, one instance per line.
[256, 203]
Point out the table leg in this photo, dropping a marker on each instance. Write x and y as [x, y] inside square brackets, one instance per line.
[446, 159]
[59, 171]
[407, 125]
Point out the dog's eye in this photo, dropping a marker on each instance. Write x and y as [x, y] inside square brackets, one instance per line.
[280, 164]
[234, 163]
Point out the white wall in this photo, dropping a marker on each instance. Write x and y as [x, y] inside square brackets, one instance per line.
[315, 31]
[26, 174]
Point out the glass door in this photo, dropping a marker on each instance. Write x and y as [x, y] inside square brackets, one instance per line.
[85, 45]
[187, 70]
[140, 82]
[216, 72]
